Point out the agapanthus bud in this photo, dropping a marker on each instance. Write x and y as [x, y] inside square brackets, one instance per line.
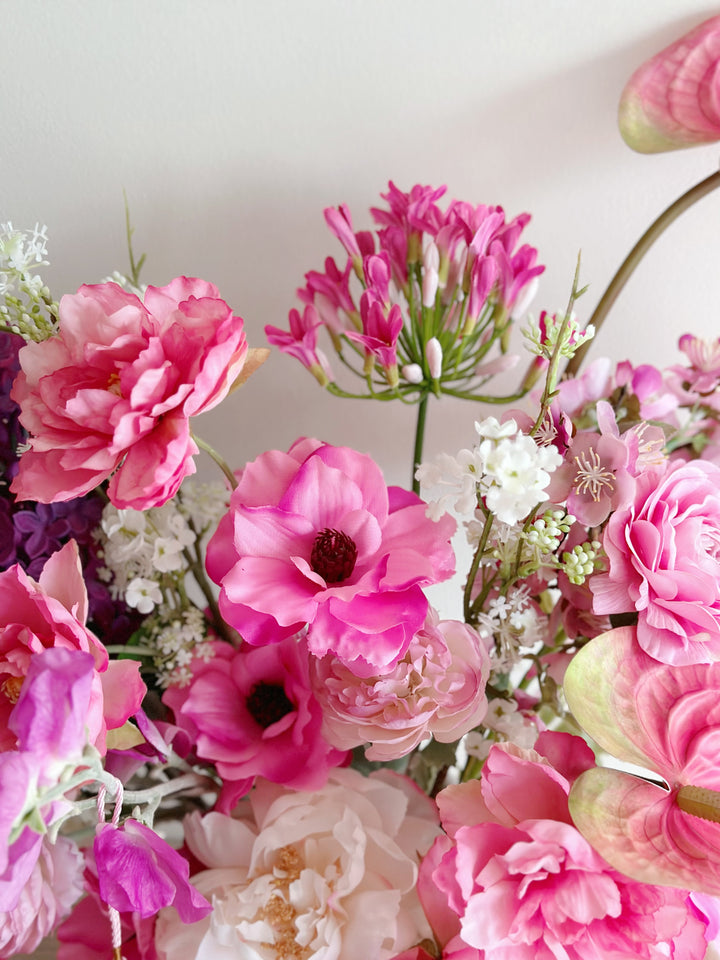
[434, 357]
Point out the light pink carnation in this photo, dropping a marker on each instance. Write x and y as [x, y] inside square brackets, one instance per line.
[437, 688]
[663, 550]
[314, 536]
[113, 391]
[327, 874]
[514, 880]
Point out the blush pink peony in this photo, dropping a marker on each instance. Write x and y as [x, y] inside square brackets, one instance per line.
[51, 612]
[437, 688]
[330, 874]
[515, 880]
[314, 536]
[663, 556]
[111, 394]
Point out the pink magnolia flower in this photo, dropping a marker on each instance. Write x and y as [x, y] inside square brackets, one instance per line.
[329, 873]
[252, 712]
[139, 872]
[437, 688]
[51, 612]
[53, 886]
[514, 879]
[666, 719]
[113, 392]
[663, 559]
[672, 100]
[313, 536]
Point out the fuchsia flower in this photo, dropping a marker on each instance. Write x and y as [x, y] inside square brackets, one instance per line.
[666, 719]
[314, 536]
[113, 392]
[673, 99]
[663, 554]
[252, 712]
[515, 880]
[52, 613]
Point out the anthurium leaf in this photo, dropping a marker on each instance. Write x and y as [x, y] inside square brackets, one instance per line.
[639, 829]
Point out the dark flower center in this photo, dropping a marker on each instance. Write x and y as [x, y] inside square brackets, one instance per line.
[333, 555]
[268, 703]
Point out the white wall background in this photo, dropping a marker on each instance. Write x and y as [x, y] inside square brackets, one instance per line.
[231, 124]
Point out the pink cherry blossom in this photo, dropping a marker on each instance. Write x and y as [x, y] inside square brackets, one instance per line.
[315, 537]
[437, 688]
[514, 879]
[663, 554]
[35, 616]
[329, 873]
[252, 712]
[663, 718]
[672, 100]
[113, 391]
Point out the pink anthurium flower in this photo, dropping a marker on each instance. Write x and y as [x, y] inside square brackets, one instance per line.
[673, 99]
[667, 719]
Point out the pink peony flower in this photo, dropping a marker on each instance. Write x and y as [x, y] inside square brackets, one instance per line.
[663, 551]
[113, 392]
[515, 880]
[315, 537]
[325, 874]
[437, 688]
[252, 712]
[54, 884]
[673, 99]
[663, 718]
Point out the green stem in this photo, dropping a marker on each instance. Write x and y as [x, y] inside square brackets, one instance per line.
[419, 440]
[630, 262]
[475, 566]
[218, 460]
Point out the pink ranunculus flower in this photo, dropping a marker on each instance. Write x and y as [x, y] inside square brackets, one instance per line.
[252, 712]
[112, 393]
[51, 612]
[54, 884]
[330, 873]
[663, 554]
[437, 688]
[673, 99]
[663, 718]
[515, 880]
[314, 536]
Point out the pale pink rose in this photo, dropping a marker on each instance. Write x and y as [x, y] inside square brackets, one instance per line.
[54, 885]
[437, 688]
[113, 391]
[673, 99]
[328, 874]
[52, 613]
[314, 536]
[252, 712]
[663, 554]
[523, 884]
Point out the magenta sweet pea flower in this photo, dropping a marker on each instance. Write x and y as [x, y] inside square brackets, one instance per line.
[663, 718]
[314, 536]
[111, 395]
[673, 99]
[139, 872]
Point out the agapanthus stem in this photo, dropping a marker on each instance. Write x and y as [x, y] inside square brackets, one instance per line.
[419, 440]
[630, 262]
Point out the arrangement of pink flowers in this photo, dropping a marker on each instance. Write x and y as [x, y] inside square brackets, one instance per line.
[232, 724]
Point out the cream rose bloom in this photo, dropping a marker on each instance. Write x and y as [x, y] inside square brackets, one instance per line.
[327, 875]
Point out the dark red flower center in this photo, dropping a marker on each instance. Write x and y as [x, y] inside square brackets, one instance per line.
[268, 703]
[333, 555]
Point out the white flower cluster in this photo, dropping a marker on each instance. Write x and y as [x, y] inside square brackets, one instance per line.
[542, 335]
[507, 723]
[203, 504]
[26, 306]
[507, 469]
[139, 547]
[179, 638]
[515, 625]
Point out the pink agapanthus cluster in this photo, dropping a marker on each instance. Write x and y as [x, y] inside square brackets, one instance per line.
[314, 538]
[514, 879]
[111, 394]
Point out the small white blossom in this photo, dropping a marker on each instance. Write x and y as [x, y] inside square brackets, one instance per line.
[143, 595]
